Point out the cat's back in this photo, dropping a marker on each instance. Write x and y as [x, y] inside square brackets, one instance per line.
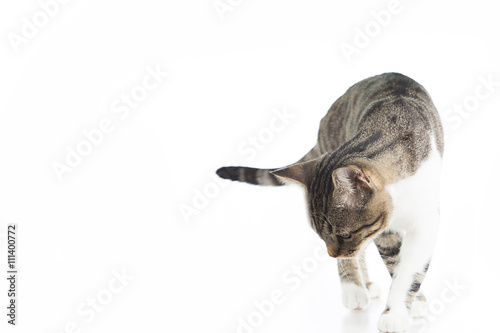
[390, 103]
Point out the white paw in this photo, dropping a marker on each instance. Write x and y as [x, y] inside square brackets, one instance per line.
[373, 290]
[394, 322]
[354, 297]
[419, 308]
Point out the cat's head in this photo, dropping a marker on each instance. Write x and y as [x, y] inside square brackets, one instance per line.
[348, 205]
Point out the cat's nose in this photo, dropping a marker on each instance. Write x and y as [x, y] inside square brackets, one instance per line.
[332, 251]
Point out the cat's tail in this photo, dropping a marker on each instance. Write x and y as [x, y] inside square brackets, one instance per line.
[250, 175]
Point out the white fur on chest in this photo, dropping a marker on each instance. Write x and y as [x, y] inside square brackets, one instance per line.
[416, 198]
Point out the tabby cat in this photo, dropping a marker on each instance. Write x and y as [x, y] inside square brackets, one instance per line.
[373, 176]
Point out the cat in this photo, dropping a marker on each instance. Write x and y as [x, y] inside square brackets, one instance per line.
[373, 176]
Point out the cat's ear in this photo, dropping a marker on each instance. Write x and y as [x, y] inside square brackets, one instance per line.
[299, 172]
[352, 185]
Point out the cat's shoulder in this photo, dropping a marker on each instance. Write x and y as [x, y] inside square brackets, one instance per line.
[418, 195]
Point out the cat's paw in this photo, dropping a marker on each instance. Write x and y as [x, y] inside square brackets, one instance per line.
[394, 322]
[355, 297]
[419, 308]
[373, 290]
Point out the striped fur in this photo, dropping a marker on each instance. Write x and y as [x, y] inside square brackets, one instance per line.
[388, 245]
[372, 146]
[250, 175]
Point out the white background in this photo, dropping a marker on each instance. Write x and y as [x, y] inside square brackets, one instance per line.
[120, 208]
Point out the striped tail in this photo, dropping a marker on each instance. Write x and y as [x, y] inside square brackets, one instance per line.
[250, 175]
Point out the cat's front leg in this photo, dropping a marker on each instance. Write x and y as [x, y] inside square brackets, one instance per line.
[415, 255]
[357, 290]
[355, 295]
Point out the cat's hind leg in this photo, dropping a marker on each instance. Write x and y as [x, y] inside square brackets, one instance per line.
[419, 307]
[389, 244]
[408, 275]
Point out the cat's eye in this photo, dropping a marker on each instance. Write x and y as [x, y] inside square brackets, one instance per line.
[345, 236]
